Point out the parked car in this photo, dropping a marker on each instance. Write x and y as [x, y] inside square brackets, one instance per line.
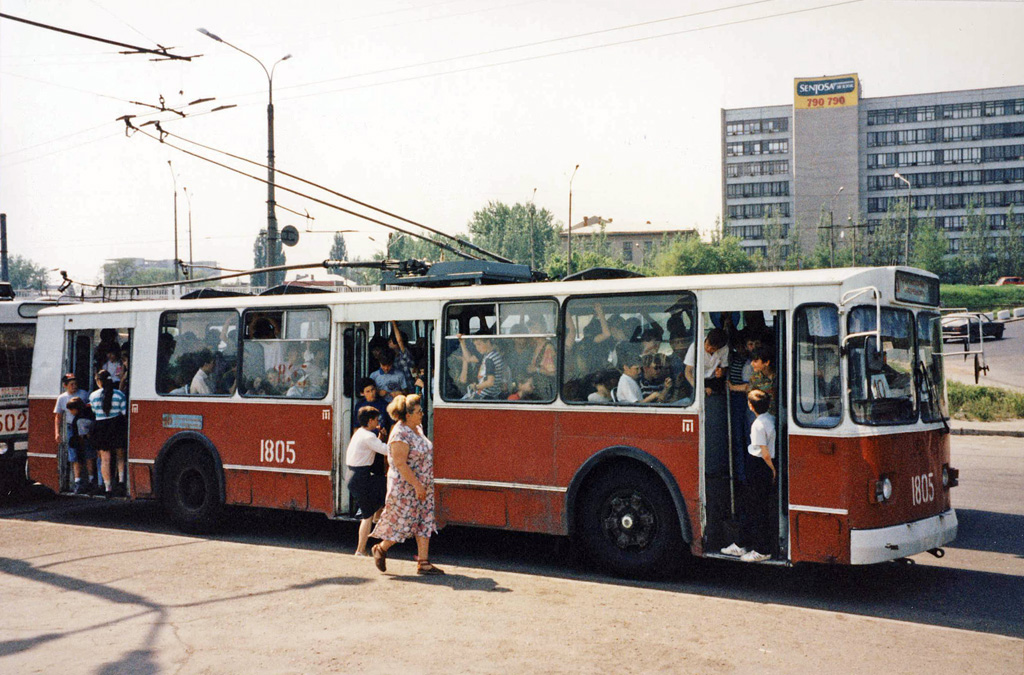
[956, 327]
[1010, 281]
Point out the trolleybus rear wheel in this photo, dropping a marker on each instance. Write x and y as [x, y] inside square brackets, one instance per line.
[627, 523]
[190, 492]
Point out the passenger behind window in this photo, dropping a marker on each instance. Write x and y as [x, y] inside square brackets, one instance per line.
[202, 382]
[605, 382]
[524, 390]
[268, 384]
[655, 382]
[390, 382]
[289, 370]
[461, 366]
[492, 379]
[542, 363]
[518, 354]
[628, 388]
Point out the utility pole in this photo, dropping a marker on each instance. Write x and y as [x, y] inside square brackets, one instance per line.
[533, 263]
[189, 198]
[273, 238]
[832, 230]
[5, 273]
[177, 269]
[568, 262]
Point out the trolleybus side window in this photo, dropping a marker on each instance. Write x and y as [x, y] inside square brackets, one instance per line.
[286, 353]
[881, 383]
[817, 391]
[504, 351]
[16, 342]
[931, 380]
[197, 353]
[653, 330]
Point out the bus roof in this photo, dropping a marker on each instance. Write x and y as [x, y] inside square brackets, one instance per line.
[852, 276]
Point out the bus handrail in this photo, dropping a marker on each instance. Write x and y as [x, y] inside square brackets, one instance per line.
[877, 333]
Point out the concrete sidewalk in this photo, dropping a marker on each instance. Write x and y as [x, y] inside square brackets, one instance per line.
[1014, 428]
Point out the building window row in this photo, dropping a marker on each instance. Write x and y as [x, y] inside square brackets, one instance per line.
[948, 178]
[753, 232]
[993, 221]
[949, 111]
[974, 155]
[766, 126]
[969, 132]
[747, 148]
[773, 189]
[769, 168]
[745, 211]
[956, 200]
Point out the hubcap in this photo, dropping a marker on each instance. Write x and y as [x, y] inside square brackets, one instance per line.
[192, 489]
[628, 520]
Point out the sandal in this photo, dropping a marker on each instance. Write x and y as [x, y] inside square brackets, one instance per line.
[424, 567]
[380, 558]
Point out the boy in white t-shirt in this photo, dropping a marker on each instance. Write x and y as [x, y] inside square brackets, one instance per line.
[761, 476]
[716, 346]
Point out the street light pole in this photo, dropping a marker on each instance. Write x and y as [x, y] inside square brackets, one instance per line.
[533, 263]
[273, 238]
[832, 230]
[910, 196]
[568, 263]
[177, 271]
[189, 198]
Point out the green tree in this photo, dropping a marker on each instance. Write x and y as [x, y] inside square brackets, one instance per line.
[338, 252]
[883, 247]
[26, 273]
[930, 246]
[515, 231]
[1014, 255]
[774, 243]
[973, 248]
[119, 272]
[692, 255]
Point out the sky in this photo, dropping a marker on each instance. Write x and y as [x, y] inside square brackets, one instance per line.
[425, 108]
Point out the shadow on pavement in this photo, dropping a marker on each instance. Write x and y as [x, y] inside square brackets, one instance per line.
[933, 594]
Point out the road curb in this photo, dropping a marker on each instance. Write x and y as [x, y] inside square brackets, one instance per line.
[986, 432]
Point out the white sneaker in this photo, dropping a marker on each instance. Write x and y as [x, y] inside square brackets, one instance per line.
[754, 556]
[734, 550]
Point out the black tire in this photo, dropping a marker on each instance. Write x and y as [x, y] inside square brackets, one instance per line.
[626, 523]
[12, 477]
[190, 491]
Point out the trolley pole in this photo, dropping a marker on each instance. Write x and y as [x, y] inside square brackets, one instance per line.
[4, 271]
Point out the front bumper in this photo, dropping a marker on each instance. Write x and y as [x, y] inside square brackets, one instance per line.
[899, 541]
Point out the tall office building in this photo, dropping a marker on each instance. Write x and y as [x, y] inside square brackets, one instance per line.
[834, 156]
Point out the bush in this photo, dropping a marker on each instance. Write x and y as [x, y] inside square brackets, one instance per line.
[984, 404]
[982, 298]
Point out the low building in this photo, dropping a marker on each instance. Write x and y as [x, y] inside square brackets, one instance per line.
[630, 242]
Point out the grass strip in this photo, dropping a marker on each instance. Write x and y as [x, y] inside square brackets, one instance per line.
[983, 404]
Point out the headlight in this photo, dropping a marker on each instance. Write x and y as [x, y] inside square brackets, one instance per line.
[883, 490]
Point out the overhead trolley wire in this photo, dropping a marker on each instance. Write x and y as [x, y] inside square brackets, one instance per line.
[440, 244]
[459, 240]
[134, 49]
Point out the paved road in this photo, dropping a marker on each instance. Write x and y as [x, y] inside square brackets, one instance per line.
[1005, 359]
[91, 586]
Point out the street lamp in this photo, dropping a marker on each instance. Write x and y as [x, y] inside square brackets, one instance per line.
[910, 196]
[831, 230]
[532, 209]
[568, 264]
[188, 196]
[177, 272]
[273, 239]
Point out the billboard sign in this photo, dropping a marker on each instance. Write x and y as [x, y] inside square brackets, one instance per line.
[839, 91]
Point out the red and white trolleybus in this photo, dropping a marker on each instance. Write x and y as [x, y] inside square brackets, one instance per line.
[862, 443]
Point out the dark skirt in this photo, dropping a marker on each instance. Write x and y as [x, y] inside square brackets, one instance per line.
[109, 434]
[368, 489]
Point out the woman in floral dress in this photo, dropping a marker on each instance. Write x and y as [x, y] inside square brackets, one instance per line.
[409, 507]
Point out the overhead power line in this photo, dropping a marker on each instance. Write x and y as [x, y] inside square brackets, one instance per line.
[162, 51]
[133, 129]
[459, 240]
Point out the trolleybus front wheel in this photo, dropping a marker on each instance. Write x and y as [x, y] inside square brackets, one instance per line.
[190, 491]
[627, 523]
